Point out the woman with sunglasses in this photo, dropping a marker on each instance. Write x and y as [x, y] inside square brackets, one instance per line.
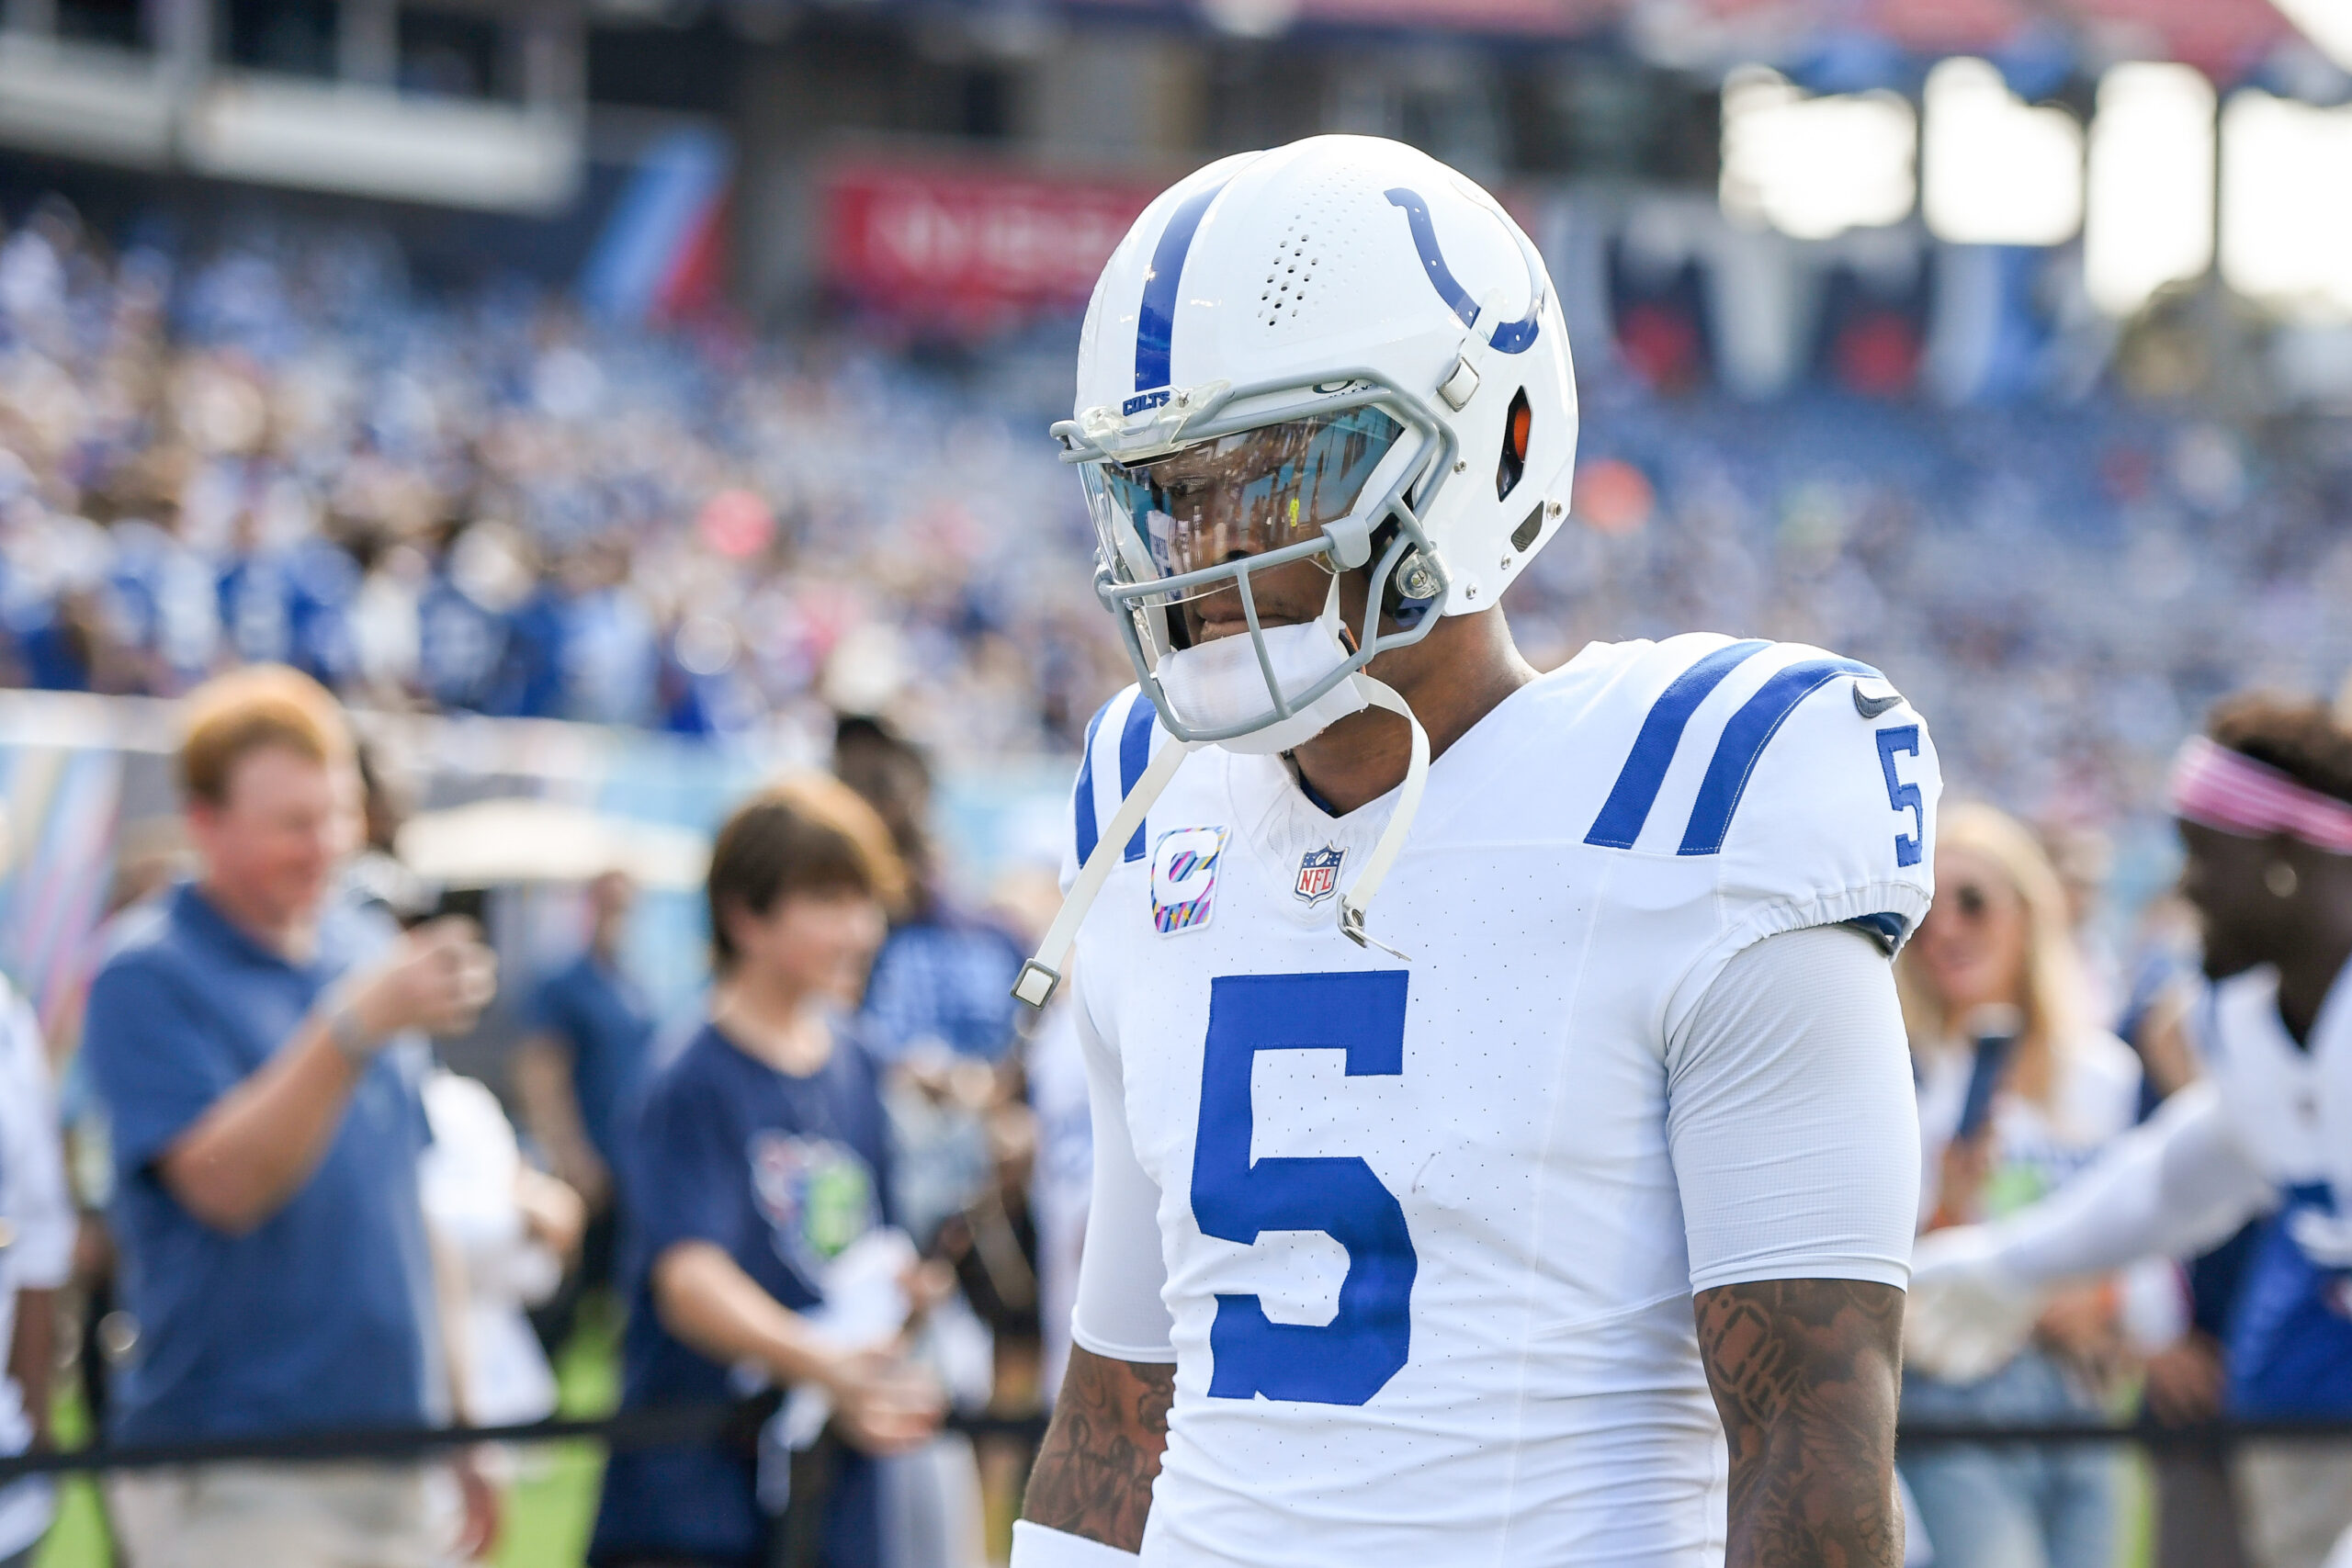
[2018, 1090]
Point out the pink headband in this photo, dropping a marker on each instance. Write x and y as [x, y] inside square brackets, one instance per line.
[2233, 793]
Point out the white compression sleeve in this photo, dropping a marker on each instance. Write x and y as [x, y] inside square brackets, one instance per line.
[2170, 1188]
[1119, 1312]
[1791, 1116]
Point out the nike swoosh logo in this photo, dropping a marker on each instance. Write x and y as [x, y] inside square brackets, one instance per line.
[1869, 707]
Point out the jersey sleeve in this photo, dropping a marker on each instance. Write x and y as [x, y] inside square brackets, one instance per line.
[1120, 1312]
[1790, 1117]
[1817, 807]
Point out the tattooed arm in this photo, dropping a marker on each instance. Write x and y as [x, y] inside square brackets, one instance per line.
[1795, 1133]
[1093, 1476]
[1806, 1375]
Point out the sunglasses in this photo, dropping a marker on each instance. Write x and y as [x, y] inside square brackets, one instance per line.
[1969, 900]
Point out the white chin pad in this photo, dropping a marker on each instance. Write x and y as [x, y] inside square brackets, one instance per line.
[1218, 683]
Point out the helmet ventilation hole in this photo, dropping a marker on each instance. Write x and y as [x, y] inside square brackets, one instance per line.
[1525, 533]
[1518, 425]
[1287, 276]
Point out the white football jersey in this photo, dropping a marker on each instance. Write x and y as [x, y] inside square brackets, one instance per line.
[1425, 1254]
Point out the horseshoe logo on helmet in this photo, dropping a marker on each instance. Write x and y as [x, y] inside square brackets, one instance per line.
[1510, 337]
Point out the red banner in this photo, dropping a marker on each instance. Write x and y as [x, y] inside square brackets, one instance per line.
[968, 245]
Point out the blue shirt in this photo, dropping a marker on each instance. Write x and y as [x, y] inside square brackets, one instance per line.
[2289, 1347]
[599, 1014]
[320, 1318]
[944, 978]
[781, 1173]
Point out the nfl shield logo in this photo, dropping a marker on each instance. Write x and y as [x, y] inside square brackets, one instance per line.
[1319, 875]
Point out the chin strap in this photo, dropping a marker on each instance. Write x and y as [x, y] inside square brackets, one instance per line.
[1043, 970]
[1043, 973]
[1358, 899]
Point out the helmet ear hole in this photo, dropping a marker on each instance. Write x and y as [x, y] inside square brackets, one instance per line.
[1517, 425]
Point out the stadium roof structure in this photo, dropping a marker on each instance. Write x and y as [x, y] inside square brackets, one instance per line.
[2223, 37]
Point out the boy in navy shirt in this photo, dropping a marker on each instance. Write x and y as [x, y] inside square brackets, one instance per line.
[757, 1158]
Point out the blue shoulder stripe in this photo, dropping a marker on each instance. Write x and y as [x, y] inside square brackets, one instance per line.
[1744, 739]
[1082, 802]
[1134, 756]
[1630, 799]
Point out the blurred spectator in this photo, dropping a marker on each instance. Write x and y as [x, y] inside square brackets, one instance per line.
[944, 976]
[37, 1233]
[758, 1163]
[258, 1041]
[2018, 1090]
[511, 1228]
[377, 875]
[2196, 1511]
[581, 1063]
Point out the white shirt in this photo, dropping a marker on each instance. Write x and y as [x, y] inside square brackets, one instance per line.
[2037, 1146]
[1422, 1235]
[466, 1182]
[37, 1213]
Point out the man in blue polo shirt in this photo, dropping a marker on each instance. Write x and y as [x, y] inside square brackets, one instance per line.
[258, 1041]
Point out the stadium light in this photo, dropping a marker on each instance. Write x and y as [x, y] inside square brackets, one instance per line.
[1815, 167]
[1994, 170]
[2326, 23]
[2286, 230]
[2149, 213]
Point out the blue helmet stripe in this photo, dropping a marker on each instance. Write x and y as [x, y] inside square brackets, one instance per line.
[1135, 755]
[1742, 746]
[1628, 802]
[1156, 321]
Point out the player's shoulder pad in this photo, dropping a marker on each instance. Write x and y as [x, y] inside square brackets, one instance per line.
[1805, 778]
[1120, 740]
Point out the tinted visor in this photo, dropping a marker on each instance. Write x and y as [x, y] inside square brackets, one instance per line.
[1236, 495]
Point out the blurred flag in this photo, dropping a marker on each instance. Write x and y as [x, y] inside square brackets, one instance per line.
[659, 255]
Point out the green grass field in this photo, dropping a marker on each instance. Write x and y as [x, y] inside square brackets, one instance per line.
[548, 1513]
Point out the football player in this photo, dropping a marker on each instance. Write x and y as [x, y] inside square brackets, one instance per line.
[1399, 1214]
[2263, 803]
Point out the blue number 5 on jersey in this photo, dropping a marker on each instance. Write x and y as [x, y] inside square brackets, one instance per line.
[1351, 1358]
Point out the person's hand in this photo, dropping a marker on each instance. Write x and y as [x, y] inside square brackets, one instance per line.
[883, 1403]
[551, 1211]
[478, 1536]
[582, 1169]
[2080, 1321]
[1967, 1162]
[438, 979]
[928, 1284]
[2185, 1381]
[1965, 1316]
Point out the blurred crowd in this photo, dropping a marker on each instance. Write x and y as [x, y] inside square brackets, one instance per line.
[278, 453]
[277, 449]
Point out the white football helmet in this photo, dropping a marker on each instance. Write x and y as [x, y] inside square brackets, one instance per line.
[1341, 350]
[1364, 352]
